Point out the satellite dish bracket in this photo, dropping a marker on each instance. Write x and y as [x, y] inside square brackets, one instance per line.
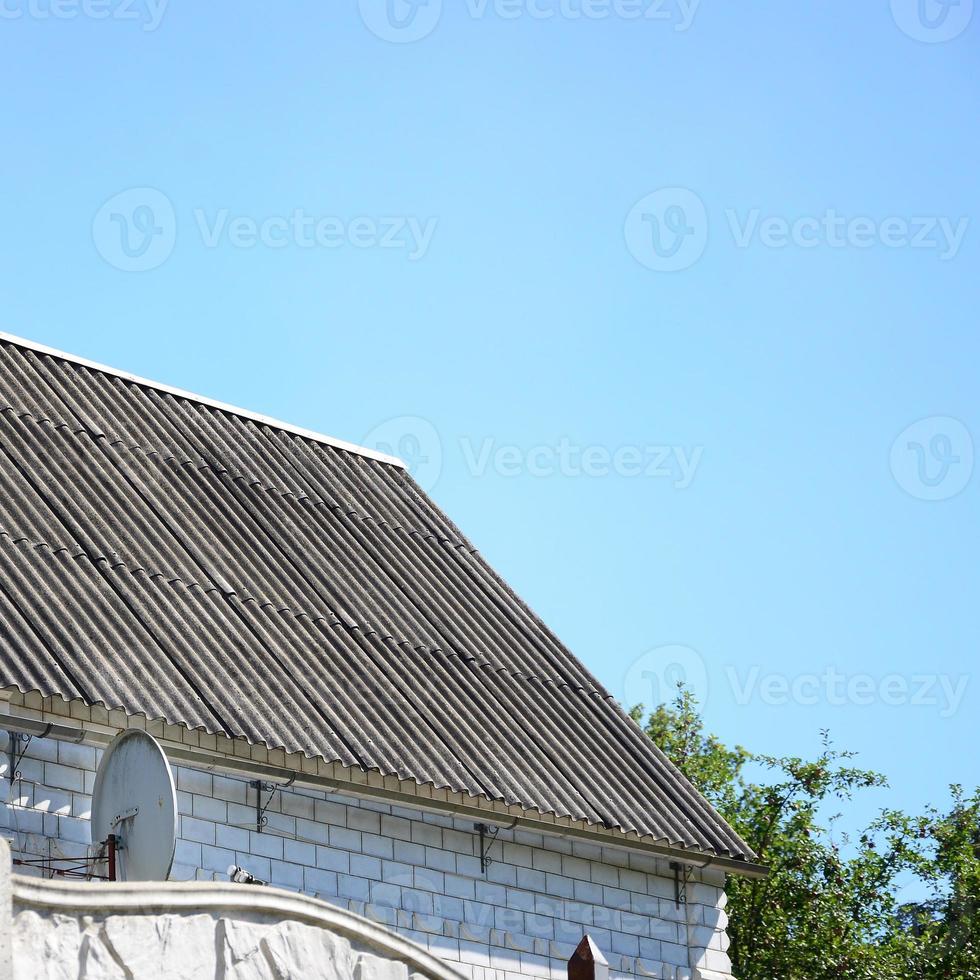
[125, 815]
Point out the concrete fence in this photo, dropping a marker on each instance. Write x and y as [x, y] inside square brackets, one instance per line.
[60, 930]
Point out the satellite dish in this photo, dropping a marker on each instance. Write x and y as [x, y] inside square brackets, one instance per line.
[134, 799]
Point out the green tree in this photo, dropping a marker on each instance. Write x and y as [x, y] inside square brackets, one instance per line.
[831, 906]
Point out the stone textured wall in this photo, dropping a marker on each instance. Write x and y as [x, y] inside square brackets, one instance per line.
[53, 930]
[415, 872]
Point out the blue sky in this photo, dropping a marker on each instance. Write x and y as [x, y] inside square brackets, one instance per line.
[652, 303]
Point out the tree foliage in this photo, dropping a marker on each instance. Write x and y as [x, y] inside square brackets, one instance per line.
[832, 906]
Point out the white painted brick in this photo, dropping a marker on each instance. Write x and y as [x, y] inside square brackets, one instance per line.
[490, 893]
[377, 846]
[348, 840]
[241, 816]
[540, 926]
[351, 887]
[535, 881]
[504, 874]
[76, 756]
[61, 777]
[197, 830]
[547, 861]
[382, 914]
[205, 808]
[194, 781]
[547, 905]
[397, 873]
[311, 831]
[508, 920]
[466, 864]
[409, 853]
[650, 950]
[364, 820]
[296, 805]
[625, 945]
[428, 835]
[674, 953]
[516, 899]
[448, 907]
[299, 852]
[462, 843]
[440, 860]
[75, 830]
[332, 813]
[460, 887]
[588, 852]
[475, 954]
[280, 823]
[81, 805]
[49, 800]
[386, 894]
[265, 845]
[228, 789]
[586, 891]
[320, 882]
[234, 838]
[333, 859]
[364, 866]
[397, 828]
[287, 875]
[414, 900]
[188, 852]
[217, 859]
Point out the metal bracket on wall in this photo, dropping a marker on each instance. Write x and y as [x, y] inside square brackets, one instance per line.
[260, 787]
[14, 757]
[488, 837]
[682, 875]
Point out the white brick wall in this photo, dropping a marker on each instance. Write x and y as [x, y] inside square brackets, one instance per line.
[416, 872]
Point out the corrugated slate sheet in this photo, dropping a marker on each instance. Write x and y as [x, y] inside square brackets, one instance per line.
[174, 559]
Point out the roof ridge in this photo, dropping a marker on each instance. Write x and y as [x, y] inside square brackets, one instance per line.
[245, 413]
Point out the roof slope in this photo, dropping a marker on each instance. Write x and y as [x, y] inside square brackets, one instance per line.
[168, 557]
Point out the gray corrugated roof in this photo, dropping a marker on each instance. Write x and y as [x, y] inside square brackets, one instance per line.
[170, 557]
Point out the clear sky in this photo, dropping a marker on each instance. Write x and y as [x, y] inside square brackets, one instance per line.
[652, 293]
